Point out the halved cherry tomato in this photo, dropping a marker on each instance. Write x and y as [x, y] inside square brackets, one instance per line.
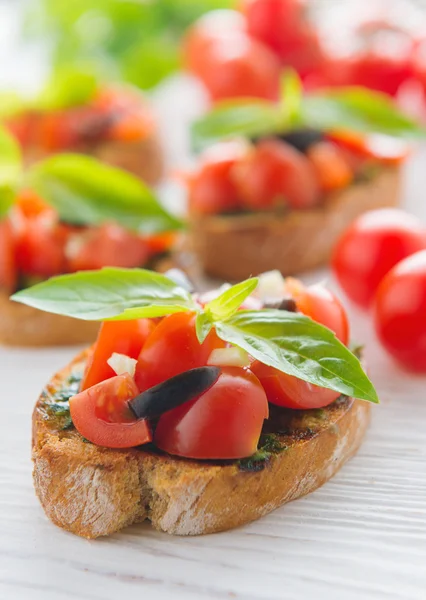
[385, 149]
[212, 189]
[321, 305]
[173, 348]
[162, 242]
[274, 173]
[40, 247]
[123, 337]
[330, 165]
[285, 390]
[101, 414]
[370, 247]
[400, 312]
[8, 272]
[225, 422]
[109, 245]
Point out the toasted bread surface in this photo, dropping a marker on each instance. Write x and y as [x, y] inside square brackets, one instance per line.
[22, 325]
[93, 491]
[237, 246]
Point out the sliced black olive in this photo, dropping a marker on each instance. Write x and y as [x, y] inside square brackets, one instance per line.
[180, 278]
[286, 303]
[173, 392]
[302, 139]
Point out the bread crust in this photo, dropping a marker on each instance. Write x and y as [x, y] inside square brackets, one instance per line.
[93, 491]
[22, 325]
[236, 247]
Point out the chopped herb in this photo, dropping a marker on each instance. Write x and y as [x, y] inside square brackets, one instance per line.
[269, 444]
[57, 404]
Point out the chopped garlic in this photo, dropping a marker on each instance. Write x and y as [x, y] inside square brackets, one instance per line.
[271, 286]
[120, 364]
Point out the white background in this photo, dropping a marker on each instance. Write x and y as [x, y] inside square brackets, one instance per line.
[363, 535]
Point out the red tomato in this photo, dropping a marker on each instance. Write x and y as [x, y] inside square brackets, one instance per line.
[400, 312]
[101, 414]
[31, 206]
[106, 246]
[225, 422]
[282, 25]
[274, 173]
[161, 242]
[321, 305]
[291, 392]
[8, 273]
[372, 245]
[212, 189]
[123, 337]
[330, 165]
[40, 247]
[387, 150]
[173, 348]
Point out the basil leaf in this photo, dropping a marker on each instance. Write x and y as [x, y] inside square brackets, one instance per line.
[359, 109]
[298, 346]
[10, 170]
[86, 192]
[291, 98]
[203, 325]
[67, 88]
[229, 301]
[108, 293]
[247, 118]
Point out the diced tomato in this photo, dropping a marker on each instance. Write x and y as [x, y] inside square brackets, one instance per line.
[106, 246]
[31, 205]
[102, 415]
[212, 189]
[321, 305]
[288, 391]
[22, 127]
[384, 149]
[40, 248]
[123, 337]
[173, 348]
[160, 243]
[330, 165]
[8, 272]
[272, 174]
[224, 422]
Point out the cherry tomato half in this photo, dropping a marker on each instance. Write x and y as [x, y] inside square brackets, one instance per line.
[40, 247]
[330, 165]
[8, 273]
[123, 337]
[173, 348]
[101, 414]
[372, 245]
[225, 422]
[400, 312]
[321, 305]
[275, 173]
[285, 390]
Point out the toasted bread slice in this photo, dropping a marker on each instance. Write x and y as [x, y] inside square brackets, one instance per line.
[237, 246]
[22, 325]
[93, 491]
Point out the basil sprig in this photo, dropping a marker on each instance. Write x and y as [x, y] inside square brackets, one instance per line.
[354, 108]
[287, 341]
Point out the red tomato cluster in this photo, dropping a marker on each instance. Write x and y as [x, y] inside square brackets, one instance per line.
[380, 262]
[271, 173]
[223, 422]
[35, 244]
[241, 53]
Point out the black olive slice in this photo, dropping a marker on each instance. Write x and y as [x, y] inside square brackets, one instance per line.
[302, 139]
[286, 303]
[180, 278]
[173, 392]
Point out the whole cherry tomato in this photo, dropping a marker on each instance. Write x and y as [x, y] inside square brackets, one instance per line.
[225, 422]
[321, 305]
[123, 337]
[372, 245]
[102, 415]
[212, 189]
[285, 390]
[173, 348]
[8, 273]
[274, 173]
[400, 312]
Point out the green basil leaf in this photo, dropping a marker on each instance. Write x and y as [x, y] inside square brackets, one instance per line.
[203, 326]
[359, 109]
[86, 192]
[298, 346]
[291, 98]
[247, 118]
[67, 88]
[10, 170]
[108, 294]
[229, 301]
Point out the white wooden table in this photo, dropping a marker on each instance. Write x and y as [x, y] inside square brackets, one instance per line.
[361, 536]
